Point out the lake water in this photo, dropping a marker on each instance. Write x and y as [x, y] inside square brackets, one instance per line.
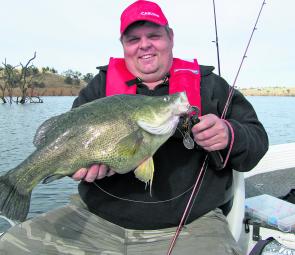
[18, 124]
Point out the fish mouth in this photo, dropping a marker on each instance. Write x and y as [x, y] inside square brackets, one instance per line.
[182, 105]
[174, 121]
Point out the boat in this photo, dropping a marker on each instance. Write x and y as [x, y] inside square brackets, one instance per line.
[279, 162]
[5, 224]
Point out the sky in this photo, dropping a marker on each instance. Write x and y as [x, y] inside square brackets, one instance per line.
[81, 35]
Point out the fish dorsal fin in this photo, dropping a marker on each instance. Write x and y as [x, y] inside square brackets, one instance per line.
[40, 136]
[145, 172]
[163, 129]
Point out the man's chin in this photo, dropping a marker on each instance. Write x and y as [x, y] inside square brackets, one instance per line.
[149, 70]
[151, 77]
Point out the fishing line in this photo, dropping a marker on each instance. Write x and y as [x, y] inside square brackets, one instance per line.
[141, 201]
[188, 143]
[150, 202]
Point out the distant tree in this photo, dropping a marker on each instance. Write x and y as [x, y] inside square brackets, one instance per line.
[37, 84]
[48, 69]
[87, 77]
[10, 77]
[45, 69]
[77, 82]
[25, 79]
[72, 77]
[32, 70]
[68, 80]
[3, 86]
[20, 76]
[52, 70]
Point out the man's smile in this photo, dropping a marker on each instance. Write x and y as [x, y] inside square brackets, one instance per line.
[147, 56]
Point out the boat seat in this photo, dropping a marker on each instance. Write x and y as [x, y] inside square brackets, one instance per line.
[236, 215]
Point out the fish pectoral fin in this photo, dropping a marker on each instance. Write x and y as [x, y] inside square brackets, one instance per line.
[130, 144]
[162, 129]
[52, 178]
[145, 172]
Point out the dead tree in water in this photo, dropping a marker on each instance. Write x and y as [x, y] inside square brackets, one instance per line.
[21, 77]
[23, 81]
[10, 78]
[3, 86]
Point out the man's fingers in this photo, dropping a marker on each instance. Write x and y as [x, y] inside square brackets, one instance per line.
[211, 133]
[80, 174]
[110, 172]
[95, 172]
[206, 122]
[92, 173]
[208, 141]
[103, 169]
[205, 135]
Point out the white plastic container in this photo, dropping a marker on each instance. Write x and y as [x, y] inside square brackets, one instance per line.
[287, 224]
[272, 211]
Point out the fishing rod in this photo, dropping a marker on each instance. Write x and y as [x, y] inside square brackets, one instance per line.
[216, 39]
[242, 61]
[200, 176]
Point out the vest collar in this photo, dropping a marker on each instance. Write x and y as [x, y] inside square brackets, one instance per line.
[139, 81]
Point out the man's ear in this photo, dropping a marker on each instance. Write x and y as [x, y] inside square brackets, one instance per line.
[171, 35]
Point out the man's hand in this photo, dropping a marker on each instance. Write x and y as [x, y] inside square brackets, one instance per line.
[211, 133]
[95, 172]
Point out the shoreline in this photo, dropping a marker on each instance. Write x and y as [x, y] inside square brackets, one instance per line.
[268, 91]
[74, 91]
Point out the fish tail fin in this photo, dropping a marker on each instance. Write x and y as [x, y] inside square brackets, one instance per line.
[13, 204]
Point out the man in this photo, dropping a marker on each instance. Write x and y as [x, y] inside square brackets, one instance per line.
[119, 216]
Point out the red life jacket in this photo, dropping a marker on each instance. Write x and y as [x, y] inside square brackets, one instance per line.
[184, 76]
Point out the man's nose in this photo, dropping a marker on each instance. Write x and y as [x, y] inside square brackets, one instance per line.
[144, 43]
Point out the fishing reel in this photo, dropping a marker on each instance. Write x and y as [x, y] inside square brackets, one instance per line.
[192, 118]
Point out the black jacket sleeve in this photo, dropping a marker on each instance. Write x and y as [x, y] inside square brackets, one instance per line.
[250, 137]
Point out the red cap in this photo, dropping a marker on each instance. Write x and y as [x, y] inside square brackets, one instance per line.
[142, 10]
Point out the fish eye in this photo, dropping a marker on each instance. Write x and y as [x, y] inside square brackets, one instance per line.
[166, 99]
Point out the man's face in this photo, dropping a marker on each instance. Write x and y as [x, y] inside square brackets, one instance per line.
[148, 51]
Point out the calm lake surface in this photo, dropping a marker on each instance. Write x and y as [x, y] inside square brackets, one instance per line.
[18, 124]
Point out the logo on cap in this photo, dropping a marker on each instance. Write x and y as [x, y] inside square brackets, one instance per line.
[150, 14]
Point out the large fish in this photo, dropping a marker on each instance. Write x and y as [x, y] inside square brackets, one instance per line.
[122, 132]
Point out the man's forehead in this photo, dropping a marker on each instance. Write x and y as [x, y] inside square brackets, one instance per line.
[142, 24]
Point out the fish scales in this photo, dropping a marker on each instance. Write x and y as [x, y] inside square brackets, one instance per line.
[122, 132]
